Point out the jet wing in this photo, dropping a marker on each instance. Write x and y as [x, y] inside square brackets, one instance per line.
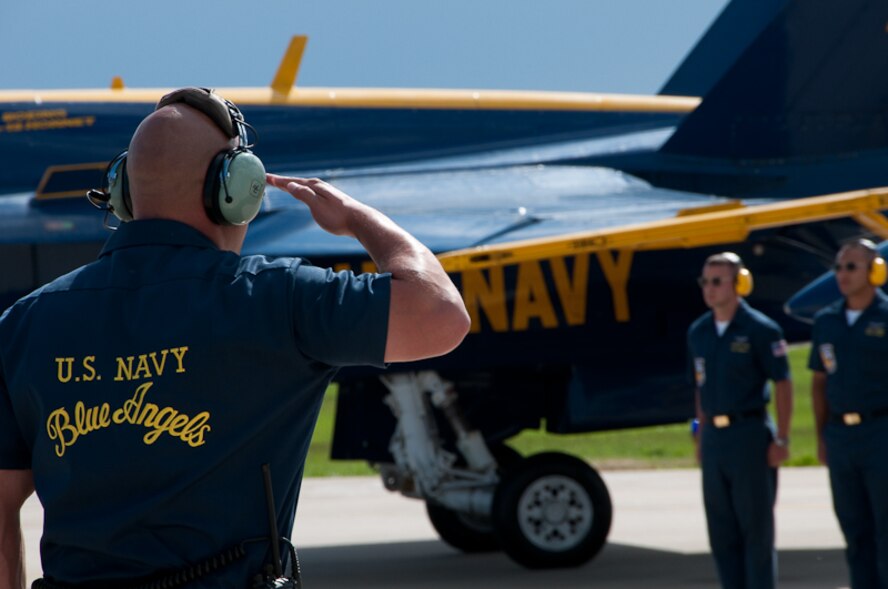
[483, 217]
[728, 222]
[456, 209]
[25, 219]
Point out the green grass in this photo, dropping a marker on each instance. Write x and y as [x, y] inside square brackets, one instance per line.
[667, 446]
[318, 463]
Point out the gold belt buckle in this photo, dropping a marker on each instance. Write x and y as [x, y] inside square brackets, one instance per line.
[851, 418]
[721, 421]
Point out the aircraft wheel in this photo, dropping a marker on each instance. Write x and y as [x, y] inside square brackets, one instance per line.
[464, 532]
[471, 533]
[552, 510]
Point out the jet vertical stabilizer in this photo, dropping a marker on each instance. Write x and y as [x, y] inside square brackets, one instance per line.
[812, 84]
[738, 25]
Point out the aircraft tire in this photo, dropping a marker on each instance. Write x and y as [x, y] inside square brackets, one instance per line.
[551, 511]
[467, 533]
[464, 532]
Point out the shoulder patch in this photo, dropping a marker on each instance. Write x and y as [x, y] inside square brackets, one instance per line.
[828, 357]
[778, 348]
[700, 371]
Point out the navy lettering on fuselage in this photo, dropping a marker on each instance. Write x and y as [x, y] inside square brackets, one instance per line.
[548, 294]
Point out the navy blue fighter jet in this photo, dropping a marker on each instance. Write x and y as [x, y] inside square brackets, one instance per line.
[574, 225]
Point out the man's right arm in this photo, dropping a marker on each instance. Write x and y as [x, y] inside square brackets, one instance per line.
[15, 487]
[821, 410]
[818, 386]
[694, 378]
[701, 423]
[426, 314]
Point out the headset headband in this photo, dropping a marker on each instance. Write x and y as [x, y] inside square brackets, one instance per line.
[234, 184]
[225, 114]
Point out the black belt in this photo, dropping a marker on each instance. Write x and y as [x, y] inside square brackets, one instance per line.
[166, 580]
[185, 576]
[726, 419]
[853, 418]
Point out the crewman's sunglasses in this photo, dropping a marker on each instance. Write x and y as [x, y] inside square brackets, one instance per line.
[847, 266]
[715, 281]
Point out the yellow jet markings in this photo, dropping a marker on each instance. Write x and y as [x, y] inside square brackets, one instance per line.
[688, 231]
[479, 294]
[394, 98]
[532, 299]
[486, 295]
[532, 296]
[366, 266]
[50, 171]
[874, 221]
[572, 293]
[285, 78]
[41, 120]
[483, 275]
[616, 272]
[615, 248]
[282, 91]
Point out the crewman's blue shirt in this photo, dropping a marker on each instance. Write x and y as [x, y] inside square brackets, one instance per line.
[854, 357]
[145, 391]
[732, 370]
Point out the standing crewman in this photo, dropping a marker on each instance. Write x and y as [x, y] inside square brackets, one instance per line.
[849, 357]
[733, 351]
[161, 400]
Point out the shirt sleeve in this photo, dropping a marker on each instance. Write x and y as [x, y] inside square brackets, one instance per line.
[14, 453]
[341, 318]
[773, 353]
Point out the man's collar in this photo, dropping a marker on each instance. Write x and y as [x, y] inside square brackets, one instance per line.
[740, 313]
[155, 232]
[879, 298]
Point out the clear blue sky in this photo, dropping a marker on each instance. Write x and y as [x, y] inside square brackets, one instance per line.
[626, 46]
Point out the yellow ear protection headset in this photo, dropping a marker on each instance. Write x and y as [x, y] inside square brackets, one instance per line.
[743, 284]
[878, 271]
[235, 180]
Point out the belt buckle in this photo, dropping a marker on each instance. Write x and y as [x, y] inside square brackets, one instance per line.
[851, 418]
[721, 421]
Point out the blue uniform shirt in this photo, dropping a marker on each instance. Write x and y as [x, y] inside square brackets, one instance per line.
[732, 370]
[145, 391]
[854, 358]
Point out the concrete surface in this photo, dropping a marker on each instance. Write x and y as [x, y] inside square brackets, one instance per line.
[353, 533]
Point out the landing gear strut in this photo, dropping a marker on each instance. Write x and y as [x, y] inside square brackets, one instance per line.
[548, 510]
[472, 533]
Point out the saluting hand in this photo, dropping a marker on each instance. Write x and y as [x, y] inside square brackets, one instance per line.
[332, 209]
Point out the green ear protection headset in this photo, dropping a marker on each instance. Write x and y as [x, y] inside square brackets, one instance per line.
[235, 180]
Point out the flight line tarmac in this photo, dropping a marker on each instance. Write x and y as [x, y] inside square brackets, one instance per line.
[352, 533]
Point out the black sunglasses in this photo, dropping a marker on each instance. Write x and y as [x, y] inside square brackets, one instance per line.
[848, 267]
[714, 281]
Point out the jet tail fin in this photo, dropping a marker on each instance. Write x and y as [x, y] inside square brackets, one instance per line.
[285, 77]
[812, 83]
[721, 46]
